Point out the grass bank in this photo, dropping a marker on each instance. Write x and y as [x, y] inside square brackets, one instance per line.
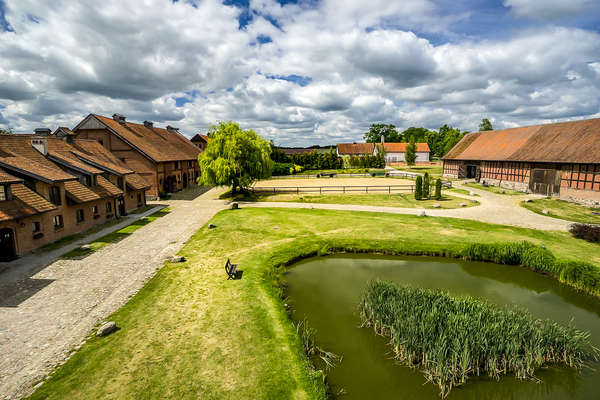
[564, 210]
[385, 200]
[191, 333]
[114, 237]
[494, 189]
[461, 191]
[431, 169]
[451, 338]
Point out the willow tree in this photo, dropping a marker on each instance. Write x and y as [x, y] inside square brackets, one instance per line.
[234, 157]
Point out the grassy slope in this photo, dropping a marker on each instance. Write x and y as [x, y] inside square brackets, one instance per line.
[386, 200]
[190, 333]
[564, 210]
[115, 236]
[493, 189]
[433, 170]
[461, 191]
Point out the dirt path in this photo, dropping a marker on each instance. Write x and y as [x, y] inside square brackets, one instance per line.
[54, 309]
[494, 208]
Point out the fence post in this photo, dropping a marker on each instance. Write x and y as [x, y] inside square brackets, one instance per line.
[273, 189]
[389, 190]
[320, 189]
[344, 189]
[297, 189]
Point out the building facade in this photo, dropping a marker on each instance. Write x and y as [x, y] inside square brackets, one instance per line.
[561, 159]
[200, 141]
[166, 159]
[54, 187]
[395, 153]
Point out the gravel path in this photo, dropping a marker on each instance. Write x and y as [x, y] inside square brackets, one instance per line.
[52, 311]
[494, 208]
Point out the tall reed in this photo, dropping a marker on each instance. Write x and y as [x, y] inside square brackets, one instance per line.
[451, 338]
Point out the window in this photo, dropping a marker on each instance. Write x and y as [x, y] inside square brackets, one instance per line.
[108, 207]
[79, 215]
[190, 164]
[176, 164]
[95, 210]
[120, 183]
[101, 142]
[37, 226]
[3, 193]
[139, 199]
[58, 222]
[55, 195]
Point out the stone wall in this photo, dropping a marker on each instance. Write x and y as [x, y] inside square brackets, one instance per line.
[519, 186]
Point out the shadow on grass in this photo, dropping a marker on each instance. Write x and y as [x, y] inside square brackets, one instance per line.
[114, 237]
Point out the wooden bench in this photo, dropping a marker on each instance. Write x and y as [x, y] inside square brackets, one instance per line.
[326, 174]
[231, 270]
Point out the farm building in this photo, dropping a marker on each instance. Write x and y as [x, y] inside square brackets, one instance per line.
[163, 157]
[354, 149]
[395, 153]
[200, 141]
[560, 159]
[53, 187]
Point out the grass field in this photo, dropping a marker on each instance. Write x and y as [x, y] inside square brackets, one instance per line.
[433, 169]
[191, 333]
[115, 236]
[461, 191]
[564, 210]
[494, 189]
[385, 200]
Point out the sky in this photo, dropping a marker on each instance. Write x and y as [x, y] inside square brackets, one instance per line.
[299, 72]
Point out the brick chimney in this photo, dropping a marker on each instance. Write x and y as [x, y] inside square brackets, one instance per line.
[119, 118]
[39, 140]
[148, 124]
[172, 129]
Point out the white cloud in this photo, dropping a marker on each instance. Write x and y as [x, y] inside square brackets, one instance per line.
[547, 9]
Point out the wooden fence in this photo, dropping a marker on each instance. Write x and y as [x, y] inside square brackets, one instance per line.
[334, 189]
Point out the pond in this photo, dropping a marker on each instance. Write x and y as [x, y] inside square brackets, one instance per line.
[326, 291]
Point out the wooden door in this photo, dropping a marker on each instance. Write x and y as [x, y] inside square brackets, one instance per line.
[545, 181]
[7, 245]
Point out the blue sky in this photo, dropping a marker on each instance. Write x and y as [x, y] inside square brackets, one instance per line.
[300, 72]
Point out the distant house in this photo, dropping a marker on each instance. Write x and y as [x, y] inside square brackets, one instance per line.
[395, 153]
[53, 187]
[560, 159]
[355, 149]
[162, 156]
[290, 151]
[200, 141]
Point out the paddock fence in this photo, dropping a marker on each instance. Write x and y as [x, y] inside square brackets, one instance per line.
[334, 189]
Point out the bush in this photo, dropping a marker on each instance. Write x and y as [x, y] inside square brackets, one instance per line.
[581, 274]
[419, 188]
[501, 253]
[539, 259]
[588, 232]
[438, 189]
[426, 186]
[283, 169]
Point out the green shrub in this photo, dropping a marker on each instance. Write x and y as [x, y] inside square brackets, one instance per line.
[539, 259]
[283, 169]
[438, 189]
[451, 338]
[419, 188]
[588, 232]
[501, 253]
[580, 274]
[426, 186]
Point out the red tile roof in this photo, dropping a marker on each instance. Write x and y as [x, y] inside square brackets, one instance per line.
[7, 178]
[24, 203]
[198, 137]
[401, 147]
[104, 188]
[355, 148]
[563, 142]
[137, 182]
[80, 193]
[158, 144]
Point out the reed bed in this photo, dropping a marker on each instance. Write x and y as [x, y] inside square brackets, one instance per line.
[452, 338]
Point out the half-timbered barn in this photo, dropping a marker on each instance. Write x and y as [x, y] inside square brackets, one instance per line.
[560, 159]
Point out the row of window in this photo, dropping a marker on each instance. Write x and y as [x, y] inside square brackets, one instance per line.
[79, 216]
[581, 176]
[505, 171]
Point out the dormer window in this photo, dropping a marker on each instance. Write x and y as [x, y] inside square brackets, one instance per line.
[4, 193]
[55, 195]
[120, 183]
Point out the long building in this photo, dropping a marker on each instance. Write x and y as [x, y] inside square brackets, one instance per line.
[162, 156]
[52, 187]
[560, 159]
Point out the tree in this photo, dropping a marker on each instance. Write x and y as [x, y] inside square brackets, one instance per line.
[438, 189]
[419, 188]
[7, 131]
[278, 155]
[426, 186]
[410, 154]
[485, 125]
[377, 131]
[451, 137]
[419, 135]
[234, 157]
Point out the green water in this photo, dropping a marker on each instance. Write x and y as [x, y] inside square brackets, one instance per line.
[326, 292]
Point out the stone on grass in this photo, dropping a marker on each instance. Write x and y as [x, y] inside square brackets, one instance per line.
[436, 205]
[235, 206]
[471, 193]
[545, 212]
[502, 191]
[422, 214]
[107, 329]
[462, 205]
[211, 226]
[86, 247]
[178, 259]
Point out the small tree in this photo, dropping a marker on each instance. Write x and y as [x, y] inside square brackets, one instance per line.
[234, 157]
[7, 131]
[438, 189]
[410, 154]
[485, 125]
[426, 186]
[419, 188]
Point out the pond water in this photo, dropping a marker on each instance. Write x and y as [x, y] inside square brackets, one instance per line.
[326, 291]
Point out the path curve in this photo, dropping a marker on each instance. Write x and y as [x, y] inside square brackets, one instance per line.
[493, 208]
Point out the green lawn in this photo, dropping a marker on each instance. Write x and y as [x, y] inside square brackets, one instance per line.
[386, 200]
[190, 333]
[432, 169]
[337, 171]
[564, 210]
[115, 236]
[461, 191]
[494, 189]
